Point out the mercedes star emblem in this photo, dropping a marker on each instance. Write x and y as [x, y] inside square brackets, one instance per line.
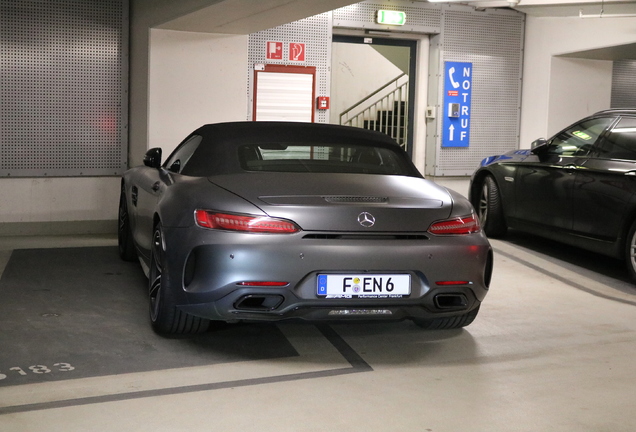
[366, 219]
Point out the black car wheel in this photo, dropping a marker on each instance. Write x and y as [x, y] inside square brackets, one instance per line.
[124, 233]
[630, 252]
[448, 323]
[490, 210]
[165, 317]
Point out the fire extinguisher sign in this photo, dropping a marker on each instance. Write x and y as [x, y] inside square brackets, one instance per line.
[297, 52]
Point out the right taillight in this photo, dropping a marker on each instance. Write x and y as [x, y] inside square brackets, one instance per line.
[456, 226]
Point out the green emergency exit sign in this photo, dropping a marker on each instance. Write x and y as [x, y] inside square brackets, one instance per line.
[389, 17]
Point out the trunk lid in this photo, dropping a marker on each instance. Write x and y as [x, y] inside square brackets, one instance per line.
[343, 202]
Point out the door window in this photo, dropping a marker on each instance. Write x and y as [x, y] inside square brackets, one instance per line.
[177, 160]
[620, 143]
[579, 139]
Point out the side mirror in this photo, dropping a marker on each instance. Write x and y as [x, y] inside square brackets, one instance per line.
[542, 149]
[152, 158]
[538, 143]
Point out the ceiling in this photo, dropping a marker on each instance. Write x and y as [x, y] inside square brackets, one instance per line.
[565, 8]
[249, 16]
[576, 9]
[558, 8]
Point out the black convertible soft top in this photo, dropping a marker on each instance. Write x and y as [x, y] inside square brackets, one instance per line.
[217, 153]
[235, 133]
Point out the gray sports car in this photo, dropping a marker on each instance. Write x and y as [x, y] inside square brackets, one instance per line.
[264, 221]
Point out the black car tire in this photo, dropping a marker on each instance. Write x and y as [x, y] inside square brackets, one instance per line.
[448, 323]
[490, 209]
[124, 232]
[165, 317]
[630, 252]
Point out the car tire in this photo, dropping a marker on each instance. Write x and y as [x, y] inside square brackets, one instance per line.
[124, 232]
[630, 252]
[165, 317]
[448, 323]
[490, 209]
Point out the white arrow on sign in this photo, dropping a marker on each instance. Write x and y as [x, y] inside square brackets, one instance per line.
[451, 129]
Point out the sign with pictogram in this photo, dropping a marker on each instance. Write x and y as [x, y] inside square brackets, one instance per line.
[456, 105]
[274, 50]
[297, 52]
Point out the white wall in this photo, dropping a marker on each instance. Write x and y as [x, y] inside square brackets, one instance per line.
[84, 205]
[351, 78]
[559, 90]
[571, 99]
[195, 79]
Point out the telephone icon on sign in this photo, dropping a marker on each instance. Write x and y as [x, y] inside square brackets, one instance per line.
[454, 83]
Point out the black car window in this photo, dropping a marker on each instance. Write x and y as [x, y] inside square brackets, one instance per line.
[180, 157]
[579, 139]
[620, 143]
[325, 158]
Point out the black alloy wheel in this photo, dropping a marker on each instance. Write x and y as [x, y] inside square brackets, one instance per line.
[165, 317]
[490, 209]
[124, 232]
[155, 277]
[630, 252]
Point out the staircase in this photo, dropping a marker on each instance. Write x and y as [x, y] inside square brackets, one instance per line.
[384, 110]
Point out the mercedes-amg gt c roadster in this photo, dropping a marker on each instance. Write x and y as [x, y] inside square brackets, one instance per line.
[266, 221]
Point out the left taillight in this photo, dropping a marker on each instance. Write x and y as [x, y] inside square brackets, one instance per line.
[456, 226]
[245, 223]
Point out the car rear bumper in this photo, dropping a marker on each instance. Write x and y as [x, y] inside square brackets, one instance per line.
[206, 269]
[274, 305]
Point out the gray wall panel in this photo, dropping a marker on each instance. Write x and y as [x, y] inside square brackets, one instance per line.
[624, 84]
[420, 17]
[315, 33]
[62, 85]
[492, 41]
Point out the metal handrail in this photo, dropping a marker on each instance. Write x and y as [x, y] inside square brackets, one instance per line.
[390, 83]
[386, 113]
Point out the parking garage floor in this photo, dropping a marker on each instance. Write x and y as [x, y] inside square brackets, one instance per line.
[553, 349]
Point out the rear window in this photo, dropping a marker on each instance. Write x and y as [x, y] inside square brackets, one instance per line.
[277, 157]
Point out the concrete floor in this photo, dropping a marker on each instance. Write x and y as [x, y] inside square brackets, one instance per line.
[553, 349]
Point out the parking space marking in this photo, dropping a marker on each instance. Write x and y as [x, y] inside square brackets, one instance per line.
[594, 284]
[5, 255]
[322, 353]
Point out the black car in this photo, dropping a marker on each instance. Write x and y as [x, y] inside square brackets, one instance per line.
[577, 187]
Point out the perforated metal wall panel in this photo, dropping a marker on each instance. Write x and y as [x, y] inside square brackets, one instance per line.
[492, 41]
[315, 34]
[63, 76]
[420, 17]
[624, 84]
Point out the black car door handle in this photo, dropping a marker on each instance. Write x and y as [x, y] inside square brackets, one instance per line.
[570, 167]
[156, 186]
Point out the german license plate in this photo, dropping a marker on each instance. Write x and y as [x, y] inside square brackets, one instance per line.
[364, 285]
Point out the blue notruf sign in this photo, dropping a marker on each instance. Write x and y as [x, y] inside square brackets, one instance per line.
[458, 83]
